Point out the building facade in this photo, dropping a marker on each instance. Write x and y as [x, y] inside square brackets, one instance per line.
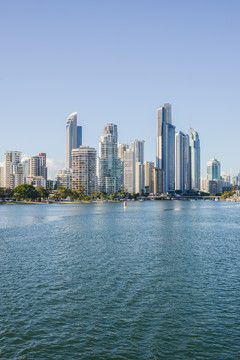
[73, 138]
[182, 162]
[158, 181]
[109, 177]
[84, 169]
[148, 175]
[213, 169]
[139, 177]
[11, 161]
[129, 171]
[138, 149]
[165, 146]
[64, 178]
[194, 143]
[121, 151]
[37, 170]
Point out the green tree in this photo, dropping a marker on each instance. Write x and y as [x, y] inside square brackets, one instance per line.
[102, 195]
[81, 192]
[95, 194]
[25, 192]
[74, 195]
[43, 192]
[2, 192]
[61, 193]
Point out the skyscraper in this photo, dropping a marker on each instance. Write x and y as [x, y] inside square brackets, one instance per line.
[138, 149]
[158, 181]
[139, 177]
[213, 169]
[129, 171]
[194, 143]
[37, 166]
[182, 162]
[109, 179]
[84, 169]
[73, 138]
[165, 146]
[148, 174]
[37, 170]
[214, 182]
[121, 151]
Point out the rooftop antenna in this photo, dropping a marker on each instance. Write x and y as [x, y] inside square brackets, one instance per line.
[190, 125]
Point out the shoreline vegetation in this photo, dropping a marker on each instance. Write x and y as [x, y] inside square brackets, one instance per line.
[28, 194]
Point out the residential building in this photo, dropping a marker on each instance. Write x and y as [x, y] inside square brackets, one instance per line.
[37, 169]
[129, 171]
[158, 181]
[64, 178]
[215, 186]
[11, 159]
[109, 179]
[138, 149]
[148, 175]
[84, 169]
[37, 181]
[1, 176]
[139, 177]
[194, 143]
[121, 151]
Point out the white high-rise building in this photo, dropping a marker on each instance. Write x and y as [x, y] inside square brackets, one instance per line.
[37, 166]
[129, 171]
[11, 160]
[84, 169]
[138, 149]
[37, 170]
[18, 172]
[64, 178]
[194, 143]
[1, 176]
[73, 138]
[139, 177]
[165, 146]
[25, 164]
[121, 151]
[109, 179]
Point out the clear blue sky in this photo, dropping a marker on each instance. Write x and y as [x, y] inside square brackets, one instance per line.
[117, 61]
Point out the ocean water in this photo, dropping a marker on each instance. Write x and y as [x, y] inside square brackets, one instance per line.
[159, 280]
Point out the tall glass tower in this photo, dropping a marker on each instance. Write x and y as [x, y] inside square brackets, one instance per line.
[165, 145]
[213, 169]
[73, 138]
[182, 162]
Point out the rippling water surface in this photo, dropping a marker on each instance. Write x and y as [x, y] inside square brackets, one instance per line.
[159, 280]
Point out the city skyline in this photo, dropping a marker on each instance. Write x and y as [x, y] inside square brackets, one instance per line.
[110, 70]
[120, 167]
[55, 165]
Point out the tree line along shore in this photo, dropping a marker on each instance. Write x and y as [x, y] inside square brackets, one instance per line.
[28, 193]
